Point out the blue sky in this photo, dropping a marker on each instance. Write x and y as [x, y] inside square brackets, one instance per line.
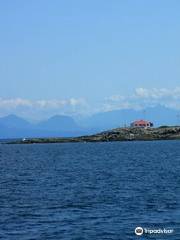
[88, 56]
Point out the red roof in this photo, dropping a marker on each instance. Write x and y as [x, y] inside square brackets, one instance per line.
[141, 122]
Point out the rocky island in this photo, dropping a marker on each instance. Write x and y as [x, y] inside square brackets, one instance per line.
[118, 134]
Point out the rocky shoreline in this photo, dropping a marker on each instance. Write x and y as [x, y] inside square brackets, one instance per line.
[118, 134]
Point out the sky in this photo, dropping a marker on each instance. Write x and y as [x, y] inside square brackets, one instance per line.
[80, 57]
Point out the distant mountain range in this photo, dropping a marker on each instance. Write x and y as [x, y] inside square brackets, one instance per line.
[159, 115]
[12, 126]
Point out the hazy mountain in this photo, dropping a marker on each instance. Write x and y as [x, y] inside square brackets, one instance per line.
[112, 119]
[13, 126]
[59, 123]
[13, 121]
[159, 115]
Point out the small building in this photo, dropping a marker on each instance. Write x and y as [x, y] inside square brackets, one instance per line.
[142, 124]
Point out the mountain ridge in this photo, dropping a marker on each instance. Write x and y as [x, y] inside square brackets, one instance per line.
[13, 126]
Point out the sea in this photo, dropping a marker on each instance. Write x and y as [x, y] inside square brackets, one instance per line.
[90, 191]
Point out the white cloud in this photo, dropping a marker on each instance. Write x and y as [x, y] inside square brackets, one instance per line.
[156, 93]
[54, 103]
[116, 98]
[14, 103]
[139, 99]
[77, 102]
[38, 109]
[143, 97]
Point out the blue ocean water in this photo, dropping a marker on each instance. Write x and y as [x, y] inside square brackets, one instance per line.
[89, 190]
